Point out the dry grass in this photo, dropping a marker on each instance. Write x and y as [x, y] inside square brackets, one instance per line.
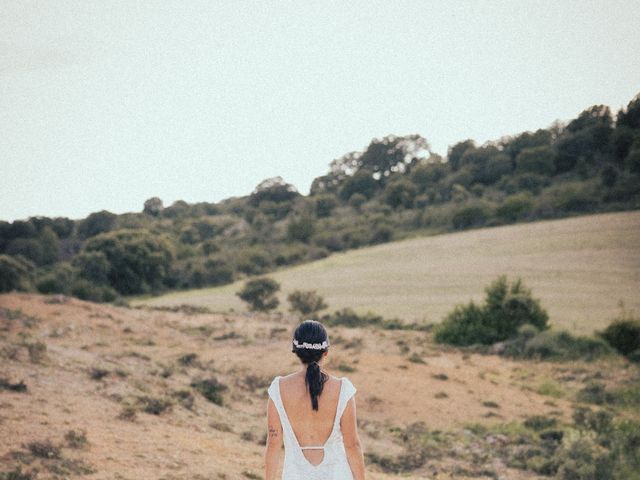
[581, 268]
[147, 425]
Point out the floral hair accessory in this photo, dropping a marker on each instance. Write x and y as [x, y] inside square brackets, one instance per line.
[313, 346]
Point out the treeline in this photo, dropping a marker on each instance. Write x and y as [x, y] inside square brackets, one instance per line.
[396, 187]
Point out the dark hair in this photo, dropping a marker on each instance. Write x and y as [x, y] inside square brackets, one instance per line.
[311, 331]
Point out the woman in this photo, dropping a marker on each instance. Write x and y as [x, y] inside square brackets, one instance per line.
[314, 414]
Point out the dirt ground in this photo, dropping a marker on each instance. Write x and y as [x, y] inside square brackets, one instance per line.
[101, 365]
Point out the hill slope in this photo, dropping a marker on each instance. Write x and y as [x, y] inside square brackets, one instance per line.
[581, 268]
[98, 368]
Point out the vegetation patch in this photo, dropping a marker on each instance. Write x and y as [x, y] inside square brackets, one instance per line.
[507, 307]
[623, 334]
[5, 384]
[211, 389]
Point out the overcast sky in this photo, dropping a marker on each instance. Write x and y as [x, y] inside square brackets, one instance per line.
[105, 104]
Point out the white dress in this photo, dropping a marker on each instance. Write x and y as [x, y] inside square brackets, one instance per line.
[334, 465]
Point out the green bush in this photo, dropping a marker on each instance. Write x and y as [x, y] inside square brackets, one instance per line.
[15, 273]
[623, 334]
[349, 318]
[57, 280]
[93, 266]
[138, 260]
[306, 302]
[470, 216]
[324, 205]
[85, 290]
[529, 342]
[211, 389]
[514, 207]
[259, 293]
[300, 229]
[252, 260]
[562, 345]
[538, 160]
[507, 307]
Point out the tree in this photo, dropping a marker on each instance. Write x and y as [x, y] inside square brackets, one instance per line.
[456, 151]
[97, 223]
[274, 190]
[139, 261]
[362, 182]
[260, 293]
[536, 160]
[400, 193]
[15, 274]
[306, 302]
[392, 154]
[630, 117]
[300, 229]
[324, 205]
[153, 206]
[93, 266]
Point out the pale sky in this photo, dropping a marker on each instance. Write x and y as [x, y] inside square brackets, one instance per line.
[105, 104]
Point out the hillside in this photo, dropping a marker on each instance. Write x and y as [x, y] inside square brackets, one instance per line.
[95, 369]
[394, 188]
[581, 268]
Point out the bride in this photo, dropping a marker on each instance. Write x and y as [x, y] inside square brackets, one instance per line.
[314, 415]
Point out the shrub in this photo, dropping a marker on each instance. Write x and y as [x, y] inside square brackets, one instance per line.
[540, 422]
[15, 273]
[18, 474]
[76, 439]
[44, 449]
[529, 342]
[349, 318]
[514, 207]
[623, 334]
[259, 293]
[154, 406]
[139, 260]
[562, 345]
[300, 229]
[507, 307]
[12, 387]
[93, 266]
[595, 393]
[211, 389]
[538, 160]
[253, 260]
[57, 280]
[37, 352]
[85, 290]
[470, 216]
[306, 302]
[324, 205]
[97, 223]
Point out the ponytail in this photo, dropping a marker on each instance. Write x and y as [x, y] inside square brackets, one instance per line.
[314, 380]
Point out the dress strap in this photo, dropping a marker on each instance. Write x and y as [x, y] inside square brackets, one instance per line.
[346, 392]
[319, 447]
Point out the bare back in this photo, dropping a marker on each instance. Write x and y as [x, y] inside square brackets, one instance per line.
[311, 427]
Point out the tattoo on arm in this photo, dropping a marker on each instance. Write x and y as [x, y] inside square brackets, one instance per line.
[273, 432]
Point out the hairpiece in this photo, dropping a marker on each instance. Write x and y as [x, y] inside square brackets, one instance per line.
[313, 346]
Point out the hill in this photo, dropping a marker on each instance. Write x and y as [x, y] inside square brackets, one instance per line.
[124, 382]
[393, 189]
[581, 268]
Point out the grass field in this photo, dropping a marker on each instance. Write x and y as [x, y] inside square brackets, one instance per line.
[581, 268]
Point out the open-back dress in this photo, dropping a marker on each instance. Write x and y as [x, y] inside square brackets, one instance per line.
[334, 465]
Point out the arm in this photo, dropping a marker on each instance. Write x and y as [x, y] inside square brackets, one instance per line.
[352, 445]
[273, 451]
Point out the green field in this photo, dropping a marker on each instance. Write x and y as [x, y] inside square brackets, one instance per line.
[581, 268]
